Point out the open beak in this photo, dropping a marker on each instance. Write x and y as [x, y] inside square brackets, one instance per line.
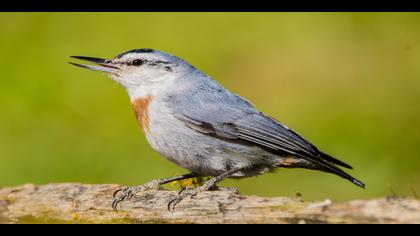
[102, 64]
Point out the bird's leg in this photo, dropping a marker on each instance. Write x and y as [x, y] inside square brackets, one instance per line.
[128, 192]
[191, 192]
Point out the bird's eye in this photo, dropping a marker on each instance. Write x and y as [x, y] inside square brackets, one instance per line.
[137, 62]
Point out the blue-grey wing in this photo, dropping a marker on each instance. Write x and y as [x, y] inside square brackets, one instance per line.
[216, 112]
[259, 130]
[250, 126]
[233, 119]
[228, 116]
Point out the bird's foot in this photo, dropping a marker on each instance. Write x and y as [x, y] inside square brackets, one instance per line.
[126, 193]
[188, 191]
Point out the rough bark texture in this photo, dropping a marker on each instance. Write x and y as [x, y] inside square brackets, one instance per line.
[81, 203]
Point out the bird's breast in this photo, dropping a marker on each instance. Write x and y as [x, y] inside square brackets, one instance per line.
[141, 110]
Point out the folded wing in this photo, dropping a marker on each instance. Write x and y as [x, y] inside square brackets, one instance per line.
[254, 128]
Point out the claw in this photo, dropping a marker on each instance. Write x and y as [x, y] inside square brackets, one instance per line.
[126, 194]
[182, 190]
[115, 193]
[182, 194]
[115, 204]
[172, 203]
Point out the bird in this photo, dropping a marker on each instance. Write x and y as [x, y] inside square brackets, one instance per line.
[196, 123]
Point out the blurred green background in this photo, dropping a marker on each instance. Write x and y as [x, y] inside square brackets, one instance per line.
[349, 82]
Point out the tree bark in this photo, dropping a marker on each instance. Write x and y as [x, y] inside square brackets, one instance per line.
[82, 203]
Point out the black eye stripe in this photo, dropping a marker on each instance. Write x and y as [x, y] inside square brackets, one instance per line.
[139, 62]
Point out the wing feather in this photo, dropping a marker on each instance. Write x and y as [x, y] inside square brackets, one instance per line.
[226, 116]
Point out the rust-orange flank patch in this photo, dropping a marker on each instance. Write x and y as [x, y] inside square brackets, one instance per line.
[140, 106]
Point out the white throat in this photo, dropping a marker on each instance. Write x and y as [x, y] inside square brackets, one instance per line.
[148, 89]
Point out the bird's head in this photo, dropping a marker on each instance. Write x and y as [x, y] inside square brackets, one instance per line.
[140, 71]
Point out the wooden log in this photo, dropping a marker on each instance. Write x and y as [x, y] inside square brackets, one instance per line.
[82, 203]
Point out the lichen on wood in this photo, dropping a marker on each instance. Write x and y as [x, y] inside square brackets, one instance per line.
[82, 203]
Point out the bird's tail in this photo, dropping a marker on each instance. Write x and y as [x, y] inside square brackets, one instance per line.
[329, 167]
[328, 164]
[344, 175]
[334, 160]
[325, 166]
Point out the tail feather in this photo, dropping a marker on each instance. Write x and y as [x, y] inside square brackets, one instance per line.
[341, 173]
[330, 168]
[323, 164]
[334, 160]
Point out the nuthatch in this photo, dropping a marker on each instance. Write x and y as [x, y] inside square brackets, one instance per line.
[195, 122]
